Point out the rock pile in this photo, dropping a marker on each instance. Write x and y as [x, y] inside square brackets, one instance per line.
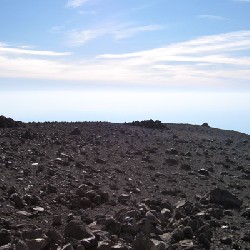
[148, 225]
[149, 124]
[8, 122]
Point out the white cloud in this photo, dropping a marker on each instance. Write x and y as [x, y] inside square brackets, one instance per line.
[118, 32]
[23, 50]
[76, 3]
[210, 61]
[78, 38]
[244, 1]
[131, 31]
[212, 17]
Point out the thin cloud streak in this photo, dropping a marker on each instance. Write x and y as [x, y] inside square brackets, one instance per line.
[76, 3]
[212, 17]
[22, 51]
[118, 32]
[243, 1]
[210, 62]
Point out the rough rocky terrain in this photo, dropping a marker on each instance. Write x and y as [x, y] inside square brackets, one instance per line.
[141, 186]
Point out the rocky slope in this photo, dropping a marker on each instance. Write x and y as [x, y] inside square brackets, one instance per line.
[141, 186]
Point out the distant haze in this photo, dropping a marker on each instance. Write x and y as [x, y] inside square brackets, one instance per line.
[184, 61]
[218, 109]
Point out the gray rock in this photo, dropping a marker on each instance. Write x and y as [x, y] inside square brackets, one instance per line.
[204, 236]
[158, 245]
[186, 243]
[119, 246]
[145, 226]
[188, 232]
[24, 213]
[57, 220]
[38, 243]
[76, 131]
[68, 247]
[54, 236]
[203, 172]
[89, 242]
[178, 235]
[103, 245]
[77, 230]
[32, 234]
[150, 216]
[226, 240]
[18, 200]
[165, 214]
[7, 247]
[246, 236]
[5, 237]
[124, 198]
[186, 167]
[80, 247]
[21, 245]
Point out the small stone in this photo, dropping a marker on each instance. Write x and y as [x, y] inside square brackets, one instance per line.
[188, 232]
[229, 213]
[38, 209]
[186, 167]
[124, 198]
[32, 234]
[158, 245]
[24, 213]
[18, 201]
[226, 240]
[38, 243]
[57, 220]
[165, 214]
[21, 245]
[203, 172]
[75, 131]
[51, 189]
[186, 243]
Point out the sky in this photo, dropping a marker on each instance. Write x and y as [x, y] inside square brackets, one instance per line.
[182, 61]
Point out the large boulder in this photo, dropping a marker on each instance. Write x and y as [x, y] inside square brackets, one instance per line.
[224, 198]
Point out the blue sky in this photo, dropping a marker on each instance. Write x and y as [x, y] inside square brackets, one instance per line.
[177, 61]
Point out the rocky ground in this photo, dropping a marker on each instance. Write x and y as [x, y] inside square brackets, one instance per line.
[141, 186]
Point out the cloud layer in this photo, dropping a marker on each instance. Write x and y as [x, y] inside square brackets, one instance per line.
[211, 61]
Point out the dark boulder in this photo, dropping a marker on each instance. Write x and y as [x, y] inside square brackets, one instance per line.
[224, 198]
[8, 122]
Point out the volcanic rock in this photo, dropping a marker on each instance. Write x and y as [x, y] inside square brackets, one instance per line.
[77, 230]
[5, 237]
[117, 186]
[224, 198]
